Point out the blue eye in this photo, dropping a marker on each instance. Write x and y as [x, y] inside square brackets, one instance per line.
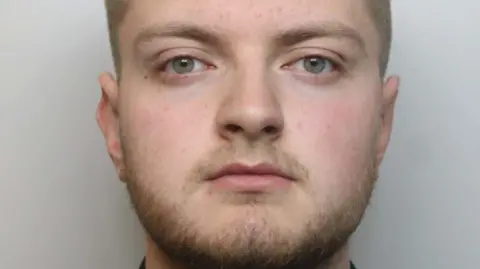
[184, 65]
[315, 64]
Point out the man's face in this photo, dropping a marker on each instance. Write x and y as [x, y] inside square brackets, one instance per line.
[248, 133]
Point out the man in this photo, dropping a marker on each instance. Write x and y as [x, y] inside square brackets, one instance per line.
[248, 133]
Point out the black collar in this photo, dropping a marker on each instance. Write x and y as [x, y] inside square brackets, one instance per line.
[142, 266]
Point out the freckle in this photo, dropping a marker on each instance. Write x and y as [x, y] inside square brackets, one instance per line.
[145, 77]
[299, 126]
[166, 109]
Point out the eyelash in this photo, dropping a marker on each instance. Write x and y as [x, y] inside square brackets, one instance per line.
[336, 66]
[164, 64]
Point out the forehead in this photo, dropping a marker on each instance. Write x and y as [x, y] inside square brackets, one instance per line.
[246, 19]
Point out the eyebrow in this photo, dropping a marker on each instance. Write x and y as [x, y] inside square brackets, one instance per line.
[286, 38]
[200, 34]
[310, 31]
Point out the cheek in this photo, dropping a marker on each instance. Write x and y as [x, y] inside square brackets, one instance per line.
[164, 125]
[338, 125]
[336, 142]
[163, 139]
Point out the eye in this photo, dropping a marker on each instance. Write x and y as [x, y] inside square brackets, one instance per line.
[184, 65]
[315, 65]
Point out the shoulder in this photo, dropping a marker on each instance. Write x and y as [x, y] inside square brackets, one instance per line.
[142, 265]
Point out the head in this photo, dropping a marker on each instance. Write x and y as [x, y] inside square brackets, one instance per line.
[248, 133]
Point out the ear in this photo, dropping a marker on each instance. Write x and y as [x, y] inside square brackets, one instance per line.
[108, 120]
[390, 93]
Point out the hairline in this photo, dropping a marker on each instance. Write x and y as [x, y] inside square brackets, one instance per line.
[116, 13]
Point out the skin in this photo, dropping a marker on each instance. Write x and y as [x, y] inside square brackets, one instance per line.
[251, 98]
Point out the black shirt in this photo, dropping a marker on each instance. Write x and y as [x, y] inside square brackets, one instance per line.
[142, 266]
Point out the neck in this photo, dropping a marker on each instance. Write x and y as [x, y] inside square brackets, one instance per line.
[156, 259]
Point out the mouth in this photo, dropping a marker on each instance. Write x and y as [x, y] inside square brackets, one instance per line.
[243, 178]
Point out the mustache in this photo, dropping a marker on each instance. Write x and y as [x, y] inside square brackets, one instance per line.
[250, 154]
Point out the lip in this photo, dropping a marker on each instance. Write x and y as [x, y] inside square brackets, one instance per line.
[263, 177]
[239, 169]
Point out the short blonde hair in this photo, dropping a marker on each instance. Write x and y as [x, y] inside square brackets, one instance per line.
[380, 12]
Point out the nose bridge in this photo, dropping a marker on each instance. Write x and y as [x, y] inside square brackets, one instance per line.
[251, 107]
[252, 86]
[251, 89]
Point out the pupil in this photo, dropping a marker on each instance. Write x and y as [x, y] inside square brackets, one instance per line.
[183, 65]
[314, 65]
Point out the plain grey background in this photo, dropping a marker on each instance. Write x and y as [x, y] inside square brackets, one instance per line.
[61, 205]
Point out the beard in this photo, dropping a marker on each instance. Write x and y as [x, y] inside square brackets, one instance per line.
[236, 244]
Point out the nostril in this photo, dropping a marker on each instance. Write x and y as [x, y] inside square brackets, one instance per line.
[233, 128]
[253, 131]
[270, 129]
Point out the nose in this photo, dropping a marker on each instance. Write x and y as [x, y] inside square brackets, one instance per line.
[250, 111]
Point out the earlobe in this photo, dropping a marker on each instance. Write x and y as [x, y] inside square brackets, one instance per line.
[390, 93]
[108, 121]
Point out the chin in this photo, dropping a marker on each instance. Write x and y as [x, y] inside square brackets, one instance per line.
[231, 230]
[275, 215]
[246, 237]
